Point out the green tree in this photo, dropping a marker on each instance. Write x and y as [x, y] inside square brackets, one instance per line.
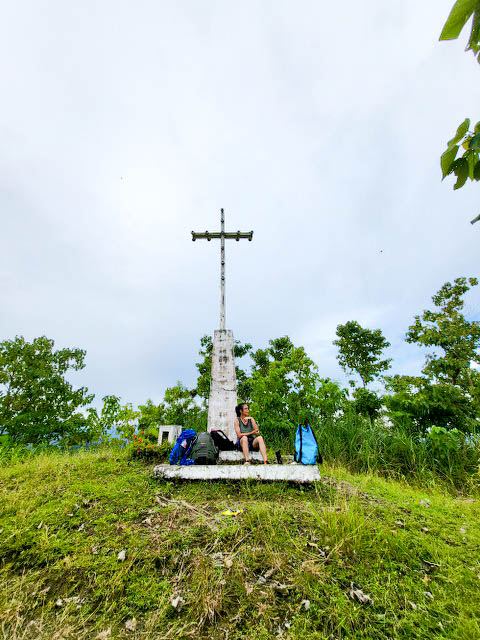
[37, 403]
[360, 351]
[205, 369]
[466, 166]
[455, 340]
[331, 398]
[284, 389]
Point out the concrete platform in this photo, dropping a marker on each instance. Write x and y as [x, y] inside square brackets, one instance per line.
[268, 472]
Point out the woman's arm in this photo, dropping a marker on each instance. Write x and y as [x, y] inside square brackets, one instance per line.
[256, 430]
[236, 426]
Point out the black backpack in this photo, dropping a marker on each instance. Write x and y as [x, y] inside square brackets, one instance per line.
[204, 450]
[222, 442]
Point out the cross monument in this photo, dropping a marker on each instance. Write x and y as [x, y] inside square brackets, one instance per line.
[223, 387]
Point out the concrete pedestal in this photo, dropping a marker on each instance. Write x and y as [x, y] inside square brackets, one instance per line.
[223, 389]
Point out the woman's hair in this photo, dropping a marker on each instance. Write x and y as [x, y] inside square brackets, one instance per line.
[238, 409]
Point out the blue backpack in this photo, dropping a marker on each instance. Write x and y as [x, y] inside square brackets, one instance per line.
[306, 446]
[182, 447]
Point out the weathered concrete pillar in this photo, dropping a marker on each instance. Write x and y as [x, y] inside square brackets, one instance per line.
[223, 388]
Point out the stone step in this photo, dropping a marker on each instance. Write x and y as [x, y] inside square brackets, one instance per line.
[237, 456]
[270, 472]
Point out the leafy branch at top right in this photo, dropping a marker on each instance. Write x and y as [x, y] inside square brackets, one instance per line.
[466, 166]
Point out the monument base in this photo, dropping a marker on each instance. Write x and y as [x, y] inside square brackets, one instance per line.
[223, 387]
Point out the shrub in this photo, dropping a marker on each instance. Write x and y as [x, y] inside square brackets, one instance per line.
[142, 448]
[452, 452]
[417, 405]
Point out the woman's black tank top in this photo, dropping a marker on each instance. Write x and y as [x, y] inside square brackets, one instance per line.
[246, 428]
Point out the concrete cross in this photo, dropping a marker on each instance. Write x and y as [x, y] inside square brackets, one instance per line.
[222, 235]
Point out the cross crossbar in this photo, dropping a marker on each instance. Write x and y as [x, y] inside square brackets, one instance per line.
[222, 235]
[215, 235]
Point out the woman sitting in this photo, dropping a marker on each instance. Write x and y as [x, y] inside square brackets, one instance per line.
[249, 438]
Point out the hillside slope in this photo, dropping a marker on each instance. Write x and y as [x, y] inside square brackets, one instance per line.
[93, 547]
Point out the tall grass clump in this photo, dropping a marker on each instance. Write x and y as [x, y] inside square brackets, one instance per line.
[11, 452]
[372, 445]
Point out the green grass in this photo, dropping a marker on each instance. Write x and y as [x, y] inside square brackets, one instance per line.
[282, 568]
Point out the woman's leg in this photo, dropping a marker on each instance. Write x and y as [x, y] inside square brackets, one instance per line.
[261, 445]
[244, 445]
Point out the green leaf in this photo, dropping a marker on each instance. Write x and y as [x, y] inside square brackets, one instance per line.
[462, 173]
[477, 127]
[447, 158]
[460, 13]
[461, 131]
[475, 142]
[473, 42]
[472, 157]
[476, 171]
[455, 164]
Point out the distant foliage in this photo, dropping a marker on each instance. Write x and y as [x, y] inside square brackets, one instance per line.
[204, 367]
[151, 416]
[114, 418]
[180, 408]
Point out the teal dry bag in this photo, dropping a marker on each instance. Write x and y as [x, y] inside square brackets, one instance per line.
[306, 447]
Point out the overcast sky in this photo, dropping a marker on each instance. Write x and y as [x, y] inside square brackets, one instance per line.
[319, 125]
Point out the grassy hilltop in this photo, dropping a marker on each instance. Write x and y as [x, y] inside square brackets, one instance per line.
[356, 557]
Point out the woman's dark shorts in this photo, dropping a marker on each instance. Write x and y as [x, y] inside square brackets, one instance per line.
[250, 444]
